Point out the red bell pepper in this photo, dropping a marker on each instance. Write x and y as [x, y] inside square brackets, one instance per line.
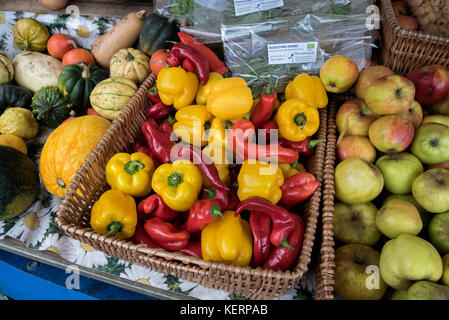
[228, 199]
[304, 147]
[261, 228]
[140, 236]
[263, 111]
[297, 188]
[193, 249]
[158, 142]
[282, 220]
[154, 206]
[281, 258]
[159, 110]
[153, 95]
[181, 51]
[166, 235]
[201, 213]
[215, 64]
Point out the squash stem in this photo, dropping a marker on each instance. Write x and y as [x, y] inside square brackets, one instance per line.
[86, 73]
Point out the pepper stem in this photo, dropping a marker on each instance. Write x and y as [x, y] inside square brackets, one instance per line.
[301, 120]
[175, 179]
[285, 244]
[268, 90]
[210, 193]
[132, 167]
[153, 91]
[114, 227]
[215, 211]
[170, 120]
[313, 143]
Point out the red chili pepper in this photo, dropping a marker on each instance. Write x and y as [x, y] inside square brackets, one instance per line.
[166, 127]
[166, 235]
[158, 142]
[281, 258]
[181, 51]
[261, 228]
[215, 64]
[154, 206]
[304, 147]
[159, 110]
[297, 188]
[153, 95]
[263, 111]
[201, 213]
[140, 236]
[269, 127]
[193, 249]
[281, 218]
[138, 147]
[188, 65]
[247, 150]
[206, 167]
[228, 199]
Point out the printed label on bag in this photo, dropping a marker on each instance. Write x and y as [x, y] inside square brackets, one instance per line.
[249, 6]
[294, 52]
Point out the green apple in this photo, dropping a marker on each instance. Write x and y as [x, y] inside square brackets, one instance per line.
[431, 190]
[438, 118]
[397, 217]
[445, 277]
[431, 143]
[409, 258]
[439, 232]
[425, 215]
[399, 171]
[357, 181]
[399, 295]
[426, 290]
[355, 273]
[441, 107]
[414, 114]
[356, 223]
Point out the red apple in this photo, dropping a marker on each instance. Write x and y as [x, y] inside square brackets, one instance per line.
[400, 8]
[354, 118]
[391, 133]
[356, 146]
[443, 165]
[414, 114]
[408, 22]
[367, 76]
[431, 83]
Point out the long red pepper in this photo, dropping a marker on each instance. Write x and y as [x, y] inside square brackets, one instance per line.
[282, 220]
[153, 95]
[193, 249]
[188, 65]
[281, 258]
[141, 236]
[263, 111]
[166, 235]
[215, 64]
[261, 228]
[159, 110]
[158, 142]
[297, 188]
[201, 213]
[181, 51]
[228, 199]
[304, 147]
[154, 206]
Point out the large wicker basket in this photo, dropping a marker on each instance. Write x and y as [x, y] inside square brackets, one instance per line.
[73, 217]
[404, 50]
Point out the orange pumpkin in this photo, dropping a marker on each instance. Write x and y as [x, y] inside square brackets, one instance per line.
[158, 60]
[66, 149]
[78, 55]
[59, 44]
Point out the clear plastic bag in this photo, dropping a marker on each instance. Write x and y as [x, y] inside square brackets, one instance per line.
[246, 46]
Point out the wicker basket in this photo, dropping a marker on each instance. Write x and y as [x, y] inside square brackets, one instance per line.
[73, 217]
[404, 50]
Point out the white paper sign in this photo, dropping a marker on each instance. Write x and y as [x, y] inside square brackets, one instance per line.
[292, 52]
[249, 6]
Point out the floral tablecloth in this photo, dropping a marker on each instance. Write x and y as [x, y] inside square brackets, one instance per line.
[36, 227]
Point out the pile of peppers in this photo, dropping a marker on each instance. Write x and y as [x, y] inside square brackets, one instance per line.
[216, 172]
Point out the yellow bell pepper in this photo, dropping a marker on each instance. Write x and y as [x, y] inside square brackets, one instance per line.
[228, 240]
[229, 99]
[177, 87]
[307, 88]
[217, 154]
[130, 173]
[261, 179]
[217, 133]
[178, 183]
[204, 90]
[287, 170]
[114, 214]
[297, 120]
[189, 125]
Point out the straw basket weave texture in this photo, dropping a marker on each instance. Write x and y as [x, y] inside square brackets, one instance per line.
[73, 217]
[404, 50]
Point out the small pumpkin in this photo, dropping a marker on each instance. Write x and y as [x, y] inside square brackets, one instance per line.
[50, 107]
[30, 35]
[77, 56]
[66, 148]
[77, 82]
[158, 60]
[131, 64]
[14, 96]
[110, 96]
[155, 32]
[6, 69]
[59, 44]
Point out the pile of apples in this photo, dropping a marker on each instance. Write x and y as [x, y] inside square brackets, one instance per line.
[391, 218]
[404, 17]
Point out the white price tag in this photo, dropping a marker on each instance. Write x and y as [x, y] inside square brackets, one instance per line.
[292, 52]
[249, 6]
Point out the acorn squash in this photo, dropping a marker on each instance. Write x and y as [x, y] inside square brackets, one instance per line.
[50, 107]
[155, 32]
[12, 96]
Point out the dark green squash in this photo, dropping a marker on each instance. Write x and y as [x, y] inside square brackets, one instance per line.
[50, 106]
[77, 82]
[155, 32]
[12, 96]
[19, 182]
